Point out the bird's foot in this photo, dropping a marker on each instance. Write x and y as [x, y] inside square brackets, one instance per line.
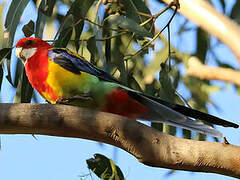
[73, 99]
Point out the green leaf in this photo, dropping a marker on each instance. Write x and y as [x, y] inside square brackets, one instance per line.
[202, 44]
[24, 90]
[104, 168]
[132, 6]
[28, 29]
[97, 31]
[132, 82]
[12, 19]
[158, 126]
[9, 77]
[169, 129]
[65, 32]
[41, 18]
[167, 90]
[122, 22]
[235, 14]
[79, 10]
[92, 48]
[5, 53]
[47, 9]
[18, 73]
[186, 134]
[201, 137]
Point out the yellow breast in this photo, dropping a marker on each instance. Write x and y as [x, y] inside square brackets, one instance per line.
[66, 84]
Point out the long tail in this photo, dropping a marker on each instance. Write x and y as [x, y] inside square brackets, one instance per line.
[177, 115]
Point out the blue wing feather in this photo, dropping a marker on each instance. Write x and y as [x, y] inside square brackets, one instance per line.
[77, 65]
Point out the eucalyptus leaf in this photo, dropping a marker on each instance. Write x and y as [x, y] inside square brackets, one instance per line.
[12, 19]
[41, 18]
[235, 13]
[134, 6]
[105, 168]
[18, 73]
[5, 53]
[28, 29]
[47, 9]
[92, 48]
[79, 10]
[24, 90]
[65, 32]
[203, 41]
[126, 23]
[97, 31]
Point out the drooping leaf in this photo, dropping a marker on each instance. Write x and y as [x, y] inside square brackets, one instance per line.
[18, 73]
[9, 76]
[41, 18]
[235, 13]
[24, 90]
[158, 126]
[201, 137]
[47, 9]
[5, 53]
[97, 31]
[134, 6]
[92, 48]
[105, 168]
[169, 129]
[126, 23]
[12, 19]
[167, 90]
[79, 10]
[202, 44]
[65, 32]
[186, 134]
[28, 29]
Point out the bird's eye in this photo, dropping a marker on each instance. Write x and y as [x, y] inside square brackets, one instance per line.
[29, 42]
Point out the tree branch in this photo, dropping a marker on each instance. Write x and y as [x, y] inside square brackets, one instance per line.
[215, 23]
[148, 145]
[197, 69]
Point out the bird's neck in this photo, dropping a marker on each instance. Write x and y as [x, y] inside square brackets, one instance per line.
[37, 70]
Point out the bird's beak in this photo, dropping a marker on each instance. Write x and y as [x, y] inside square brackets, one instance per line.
[18, 52]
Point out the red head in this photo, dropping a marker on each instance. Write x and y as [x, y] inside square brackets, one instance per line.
[31, 42]
[27, 47]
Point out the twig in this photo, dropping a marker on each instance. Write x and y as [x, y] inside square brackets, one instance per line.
[196, 69]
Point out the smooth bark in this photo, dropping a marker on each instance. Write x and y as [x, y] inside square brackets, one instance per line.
[148, 145]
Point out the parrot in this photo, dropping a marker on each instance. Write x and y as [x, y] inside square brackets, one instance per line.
[63, 77]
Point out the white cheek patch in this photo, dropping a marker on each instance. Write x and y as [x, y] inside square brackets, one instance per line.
[25, 54]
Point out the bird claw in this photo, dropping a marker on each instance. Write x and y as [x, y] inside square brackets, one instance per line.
[61, 100]
[77, 98]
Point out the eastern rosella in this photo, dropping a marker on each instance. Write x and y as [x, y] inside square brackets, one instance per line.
[59, 75]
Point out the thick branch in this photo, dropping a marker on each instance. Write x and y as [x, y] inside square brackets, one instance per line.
[197, 69]
[147, 144]
[215, 23]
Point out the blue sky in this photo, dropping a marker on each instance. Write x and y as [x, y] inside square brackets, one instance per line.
[23, 157]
